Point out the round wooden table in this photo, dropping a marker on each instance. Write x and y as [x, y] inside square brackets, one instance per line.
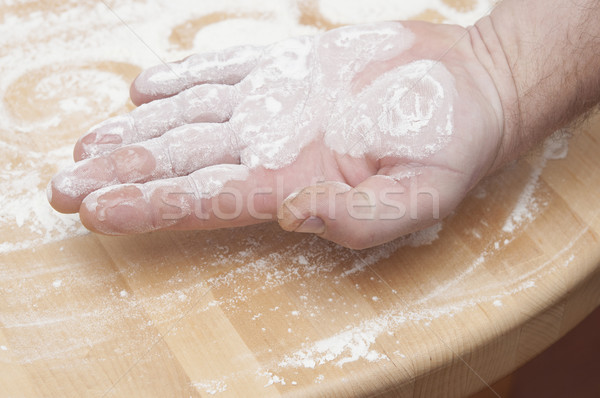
[256, 311]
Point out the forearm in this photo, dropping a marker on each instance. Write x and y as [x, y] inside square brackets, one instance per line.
[544, 56]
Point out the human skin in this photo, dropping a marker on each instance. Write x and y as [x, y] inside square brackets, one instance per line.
[202, 153]
[544, 57]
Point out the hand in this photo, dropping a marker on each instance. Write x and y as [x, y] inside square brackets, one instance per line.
[378, 130]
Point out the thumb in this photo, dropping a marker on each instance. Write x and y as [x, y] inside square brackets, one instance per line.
[378, 210]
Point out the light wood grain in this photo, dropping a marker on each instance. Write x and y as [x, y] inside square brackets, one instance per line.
[244, 312]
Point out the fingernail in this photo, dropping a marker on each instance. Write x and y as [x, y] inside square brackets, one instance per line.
[125, 205]
[312, 225]
[133, 164]
[122, 210]
[83, 178]
[88, 139]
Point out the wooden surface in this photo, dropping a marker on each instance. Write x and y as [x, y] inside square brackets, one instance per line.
[256, 311]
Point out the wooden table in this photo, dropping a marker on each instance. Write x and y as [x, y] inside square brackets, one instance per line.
[257, 311]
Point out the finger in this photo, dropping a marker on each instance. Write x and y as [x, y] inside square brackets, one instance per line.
[210, 104]
[378, 210]
[215, 197]
[229, 66]
[178, 152]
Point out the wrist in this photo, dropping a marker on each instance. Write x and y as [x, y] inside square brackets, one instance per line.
[490, 52]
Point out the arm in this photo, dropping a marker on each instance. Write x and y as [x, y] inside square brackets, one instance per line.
[544, 56]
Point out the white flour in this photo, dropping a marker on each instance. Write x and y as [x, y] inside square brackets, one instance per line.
[411, 99]
[282, 108]
[25, 215]
[555, 147]
[210, 386]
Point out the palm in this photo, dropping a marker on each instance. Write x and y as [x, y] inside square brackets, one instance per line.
[340, 107]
